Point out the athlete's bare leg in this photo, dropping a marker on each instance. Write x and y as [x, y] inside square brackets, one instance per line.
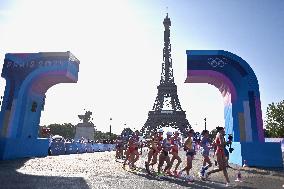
[188, 164]
[161, 161]
[222, 167]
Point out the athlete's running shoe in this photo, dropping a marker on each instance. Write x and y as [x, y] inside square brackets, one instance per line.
[190, 178]
[161, 174]
[180, 174]
[200, 175]
[133, 167]
[202, 172]
[206, 176]
[169, 173]
[147, 167]
[228, 184]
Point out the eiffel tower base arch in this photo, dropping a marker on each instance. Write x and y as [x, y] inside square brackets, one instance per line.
[167, 118]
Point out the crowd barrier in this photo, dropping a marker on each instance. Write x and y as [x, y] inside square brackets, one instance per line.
[61, 148]
[57, 148]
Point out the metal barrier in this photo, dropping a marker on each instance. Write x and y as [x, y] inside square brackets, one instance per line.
[71, 148]
[57, 148]
[101, 147]
[60, 148]
[96, 147]
[81, 147]
[89, 148]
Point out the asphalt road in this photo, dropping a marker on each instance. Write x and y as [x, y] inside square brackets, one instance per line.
[100, 170]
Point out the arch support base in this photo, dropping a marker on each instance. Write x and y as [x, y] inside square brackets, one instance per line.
[14, 148]
[257, 154]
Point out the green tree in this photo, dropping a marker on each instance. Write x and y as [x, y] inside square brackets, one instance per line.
[274, 122]
[112, 136]
[266, 133]
[126, 132]
[99, 135]
[67, 130]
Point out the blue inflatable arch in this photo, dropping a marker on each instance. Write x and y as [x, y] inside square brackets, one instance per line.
[28, 77]
[239, 87]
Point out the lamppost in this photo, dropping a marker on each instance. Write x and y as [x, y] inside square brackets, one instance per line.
[205, 123]
[110, 129]
[124, 129]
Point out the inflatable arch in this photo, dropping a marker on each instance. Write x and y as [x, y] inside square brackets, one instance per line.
[28, 77]
[239, 87]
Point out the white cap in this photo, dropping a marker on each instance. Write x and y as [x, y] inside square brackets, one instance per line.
[160, 131]
[169, 133]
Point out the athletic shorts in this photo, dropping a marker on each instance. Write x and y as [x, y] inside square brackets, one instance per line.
[131, 149]
[205, 152]
[154, 151]
[174, 151]
[190, 153]
[165, 153]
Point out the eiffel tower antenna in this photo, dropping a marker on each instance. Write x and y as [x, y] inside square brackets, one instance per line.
[167, 111]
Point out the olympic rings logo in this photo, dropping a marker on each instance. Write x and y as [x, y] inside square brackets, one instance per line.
[217, 62]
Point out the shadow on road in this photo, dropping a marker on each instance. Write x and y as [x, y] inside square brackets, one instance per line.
[11, 179]
[197, 184]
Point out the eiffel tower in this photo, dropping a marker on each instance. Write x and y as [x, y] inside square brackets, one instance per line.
[167, 111]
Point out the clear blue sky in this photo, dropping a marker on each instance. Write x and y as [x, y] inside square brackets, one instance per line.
[119, 44]
[252, 29]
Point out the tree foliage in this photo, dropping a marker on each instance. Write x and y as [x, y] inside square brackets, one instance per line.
[104, 136]
[274, 122]
[127, 131]
[266, 133]
[67, 130]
